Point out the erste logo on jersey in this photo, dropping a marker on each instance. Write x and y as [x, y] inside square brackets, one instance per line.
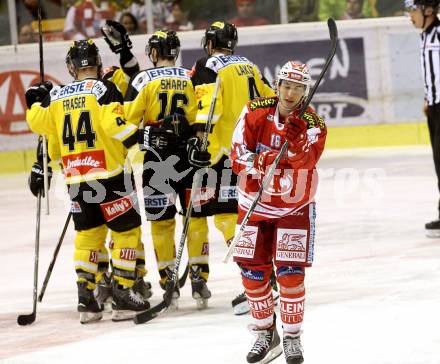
[81, 163]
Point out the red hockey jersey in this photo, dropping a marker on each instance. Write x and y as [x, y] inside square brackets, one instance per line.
[260, 128]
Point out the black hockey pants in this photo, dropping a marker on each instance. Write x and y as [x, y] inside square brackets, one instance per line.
[434, 134]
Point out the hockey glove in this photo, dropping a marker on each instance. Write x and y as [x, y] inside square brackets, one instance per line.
[157, 138]
[177, 124]
[116, 36]
[296, 135]
[37, 93]
[36, 178]
[197, 157]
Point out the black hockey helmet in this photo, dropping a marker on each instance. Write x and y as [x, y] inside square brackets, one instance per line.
[222, 35]
[166, 42]
[424, 3]
[83, 54]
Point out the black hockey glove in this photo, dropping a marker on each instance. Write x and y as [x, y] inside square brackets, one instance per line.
[116, 36]
[157, 138]
[196, 157]
[36, 178]
[177, 124]
[37, 92]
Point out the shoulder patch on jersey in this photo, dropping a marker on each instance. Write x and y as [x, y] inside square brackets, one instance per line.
[216, 63]
[55, 92]
[99, 89]
[140, 80]
[313, 119]
[262, 103]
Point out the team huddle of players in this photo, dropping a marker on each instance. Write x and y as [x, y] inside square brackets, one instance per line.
[93, 121]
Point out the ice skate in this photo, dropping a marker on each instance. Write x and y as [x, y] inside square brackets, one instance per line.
[432, 229]
[293, 349]
[103, 292]
[143, 288]
[240, 305]
[266, 347]
[126, 303]
[89, 309]
[200, 291]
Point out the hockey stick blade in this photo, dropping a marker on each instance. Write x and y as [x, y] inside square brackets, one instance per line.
[24, 320]
[155, 311]
[333, 32]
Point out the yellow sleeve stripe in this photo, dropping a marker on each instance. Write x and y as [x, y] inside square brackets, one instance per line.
[126, 132]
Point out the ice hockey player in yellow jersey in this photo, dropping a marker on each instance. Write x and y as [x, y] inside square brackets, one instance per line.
[163, 98]
[86, 118]
[240, 81]
[117, 38]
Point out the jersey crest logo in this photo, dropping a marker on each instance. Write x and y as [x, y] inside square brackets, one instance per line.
[262, 103]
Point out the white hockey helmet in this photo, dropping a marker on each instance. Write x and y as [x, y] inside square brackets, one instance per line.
[296, 72]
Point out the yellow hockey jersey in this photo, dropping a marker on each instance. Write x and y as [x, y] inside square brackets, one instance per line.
[86, 120]
[113, 74]
[240, 81]
[159, 92]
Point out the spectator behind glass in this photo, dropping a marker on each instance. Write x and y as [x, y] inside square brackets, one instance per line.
[85, 19]
[303, 10]
[178, 19]
[246, 14]
[27, 35]
[353, 10]
[129, 21]
[159, 9]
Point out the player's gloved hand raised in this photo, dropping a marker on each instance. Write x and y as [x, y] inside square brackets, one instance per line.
[296, 134]
[197, 157]
[37, 92]
[116, 36]
[158, 139]
[36, 178]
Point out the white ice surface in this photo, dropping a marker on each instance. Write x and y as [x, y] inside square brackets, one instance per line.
[373, 294]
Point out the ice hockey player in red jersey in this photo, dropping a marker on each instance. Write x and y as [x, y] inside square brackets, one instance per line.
[281, 229]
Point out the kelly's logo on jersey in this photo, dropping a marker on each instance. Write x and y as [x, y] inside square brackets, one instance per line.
[113, 209]
[13, 85]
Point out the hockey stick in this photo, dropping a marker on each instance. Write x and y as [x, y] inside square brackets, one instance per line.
[23, 320]
[54, 258]
[45, 164]
[171, 284]
[333, 31]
